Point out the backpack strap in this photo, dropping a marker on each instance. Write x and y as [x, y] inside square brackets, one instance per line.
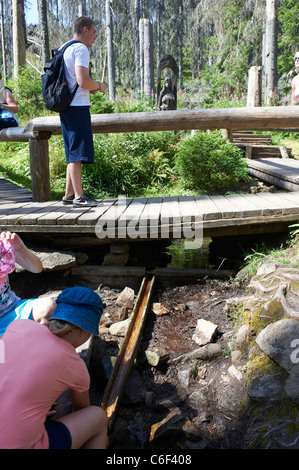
[54, 51]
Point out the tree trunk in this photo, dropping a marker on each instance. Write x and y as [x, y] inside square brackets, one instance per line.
[110, 51]
[19, 35]
[43, 21]
[141, 53]
[254, 92]
[180, 44]
[148, 58]
[4, 63]
[271, 52]
[137, 45]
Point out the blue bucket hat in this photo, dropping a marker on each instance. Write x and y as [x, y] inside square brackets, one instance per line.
[80, 306]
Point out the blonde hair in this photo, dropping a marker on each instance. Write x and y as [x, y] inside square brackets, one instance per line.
[60, 327]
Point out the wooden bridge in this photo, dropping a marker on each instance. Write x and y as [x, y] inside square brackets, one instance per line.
[150, 218]
[153, 218]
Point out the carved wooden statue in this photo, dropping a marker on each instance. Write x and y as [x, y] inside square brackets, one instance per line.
[167, 97]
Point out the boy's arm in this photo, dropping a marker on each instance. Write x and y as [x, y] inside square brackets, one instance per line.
[25, 257]
[84, 80]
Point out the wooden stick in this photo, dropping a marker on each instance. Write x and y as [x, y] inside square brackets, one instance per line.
[128, 351]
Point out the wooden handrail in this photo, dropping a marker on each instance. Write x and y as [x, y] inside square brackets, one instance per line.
[39, 130]
[188, 119]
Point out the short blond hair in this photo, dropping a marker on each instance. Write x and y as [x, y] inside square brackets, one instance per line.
[61, 328]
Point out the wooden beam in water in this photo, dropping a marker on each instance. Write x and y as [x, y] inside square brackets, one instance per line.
[128, 351]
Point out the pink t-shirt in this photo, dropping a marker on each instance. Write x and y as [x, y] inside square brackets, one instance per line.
[37, 368]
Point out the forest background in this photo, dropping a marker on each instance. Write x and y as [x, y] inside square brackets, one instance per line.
[215, 42]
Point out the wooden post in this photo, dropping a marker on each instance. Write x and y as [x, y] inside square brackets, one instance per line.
[254, 91]
[39, 166]
[227, 134]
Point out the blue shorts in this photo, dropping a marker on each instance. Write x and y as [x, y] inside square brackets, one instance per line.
[59, 435]
[22, 309]
[77, 134]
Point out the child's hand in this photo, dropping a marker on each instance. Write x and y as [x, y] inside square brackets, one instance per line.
[14, 239]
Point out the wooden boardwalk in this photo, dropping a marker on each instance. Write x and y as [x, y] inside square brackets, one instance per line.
[282, 172]
[150, 218]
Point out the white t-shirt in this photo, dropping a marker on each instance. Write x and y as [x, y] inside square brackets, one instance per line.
[76, 55]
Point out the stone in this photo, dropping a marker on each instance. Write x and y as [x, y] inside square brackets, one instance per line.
[205, 332]
[187, 374]
[155, 356]
[159, 309]
[292, 387]
[235, 373]
[267, 387]
[120, 328]
[126, 298]
[112, 259]
[241, 335]
[200, 398]
[119, 248]
[54, 260]
[207, 352]
[276, 341]
[236, 355]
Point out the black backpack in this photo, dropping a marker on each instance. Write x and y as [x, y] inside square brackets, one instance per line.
[56, 94]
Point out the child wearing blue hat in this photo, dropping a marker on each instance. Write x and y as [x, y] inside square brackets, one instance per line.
[40, 364]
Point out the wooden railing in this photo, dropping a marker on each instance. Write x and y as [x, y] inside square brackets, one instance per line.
[39, 130]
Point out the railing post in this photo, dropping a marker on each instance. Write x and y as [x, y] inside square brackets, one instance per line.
[39, 166]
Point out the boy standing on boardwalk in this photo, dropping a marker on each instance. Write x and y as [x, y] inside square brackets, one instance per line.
[75, 120]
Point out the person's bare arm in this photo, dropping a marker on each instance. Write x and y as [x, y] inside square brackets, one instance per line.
[25, 257]
[79, 400]
[294, 101]
[10, 103]
[85, 82]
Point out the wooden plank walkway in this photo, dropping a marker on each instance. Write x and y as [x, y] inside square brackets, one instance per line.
[282, 172]
[150, 218]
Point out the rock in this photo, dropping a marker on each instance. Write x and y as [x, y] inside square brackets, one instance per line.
[120, 328]
[155, 356]
[119, 248]
[232, 399]
[235, 355]
[280, 341]
[267, 387]
[235, 373]
[205, 332]
[241, 335]
[126, 298]
[194, 306]
[276, 341]
[159, 309]
[111, 259]
[207, 352]
[54, 260]
[187, 374]
[292, 387]
[200, 398]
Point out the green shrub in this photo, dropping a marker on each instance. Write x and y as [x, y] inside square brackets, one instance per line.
[127, 163]
[207, 161]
